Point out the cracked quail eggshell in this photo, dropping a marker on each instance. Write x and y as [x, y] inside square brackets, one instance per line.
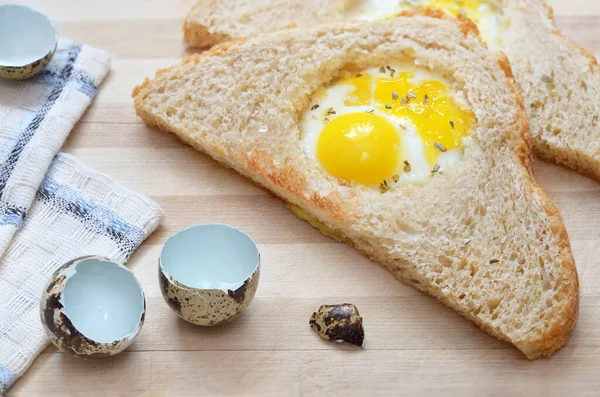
[209, 273]
[339, 323]
[28, 40]
[92, 308]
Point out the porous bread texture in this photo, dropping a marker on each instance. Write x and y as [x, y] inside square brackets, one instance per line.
[210, 22]
[560, 84]
[560, 81]
[484, 239]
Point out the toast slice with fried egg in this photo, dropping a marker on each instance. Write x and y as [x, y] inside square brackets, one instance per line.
[558, 79]
[406, 139]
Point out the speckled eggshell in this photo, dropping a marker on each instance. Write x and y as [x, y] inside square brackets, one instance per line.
[28, 41]
[207, 307]
[339, 323]
[26, 71]
[60, 329]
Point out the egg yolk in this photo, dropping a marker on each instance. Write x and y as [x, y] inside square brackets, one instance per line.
[468, 8]
[361, 147]
[439, 120]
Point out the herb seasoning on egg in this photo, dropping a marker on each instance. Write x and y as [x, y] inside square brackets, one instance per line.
[383, 187]
[439, 147]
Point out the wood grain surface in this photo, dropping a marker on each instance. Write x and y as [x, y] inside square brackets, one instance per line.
[414, 345]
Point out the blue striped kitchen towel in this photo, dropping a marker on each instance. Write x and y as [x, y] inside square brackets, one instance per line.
[52, 207]
[36, 117]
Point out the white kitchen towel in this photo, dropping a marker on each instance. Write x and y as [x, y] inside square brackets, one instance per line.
[52, 207]
[36, 116]
[76, 212]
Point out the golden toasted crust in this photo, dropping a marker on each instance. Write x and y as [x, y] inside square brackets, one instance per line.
[557, 336]
[467, 26]
[197, 35]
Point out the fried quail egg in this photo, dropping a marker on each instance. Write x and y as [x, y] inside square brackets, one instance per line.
[486, 14]
[386, 124]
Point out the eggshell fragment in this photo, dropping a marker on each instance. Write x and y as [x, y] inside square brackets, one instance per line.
[92, 308]
[209, 273]
[339, 323]
[28, 40]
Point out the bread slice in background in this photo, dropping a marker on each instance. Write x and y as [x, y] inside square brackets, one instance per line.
[560, 82]
[485, 239]
[210, 22]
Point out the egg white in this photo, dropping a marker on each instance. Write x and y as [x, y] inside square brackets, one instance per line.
[489, 26]
[412, 146]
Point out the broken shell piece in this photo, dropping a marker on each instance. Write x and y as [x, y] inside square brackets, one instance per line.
[209, 273]
[339, 323]
[92, 308]
[28, 40]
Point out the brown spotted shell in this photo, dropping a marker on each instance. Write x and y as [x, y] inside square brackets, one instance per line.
[61, 330]
[339, 323]
[26, 71]
[206, 306]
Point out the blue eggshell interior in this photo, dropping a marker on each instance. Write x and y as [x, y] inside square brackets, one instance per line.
[210, 256]
[103, 300]
[25, 35]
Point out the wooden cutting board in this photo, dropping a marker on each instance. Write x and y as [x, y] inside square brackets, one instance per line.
[414, 345]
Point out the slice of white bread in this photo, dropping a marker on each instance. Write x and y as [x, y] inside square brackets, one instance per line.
[211, 22]
[560, 85]
[485, 240]
[560, 82]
